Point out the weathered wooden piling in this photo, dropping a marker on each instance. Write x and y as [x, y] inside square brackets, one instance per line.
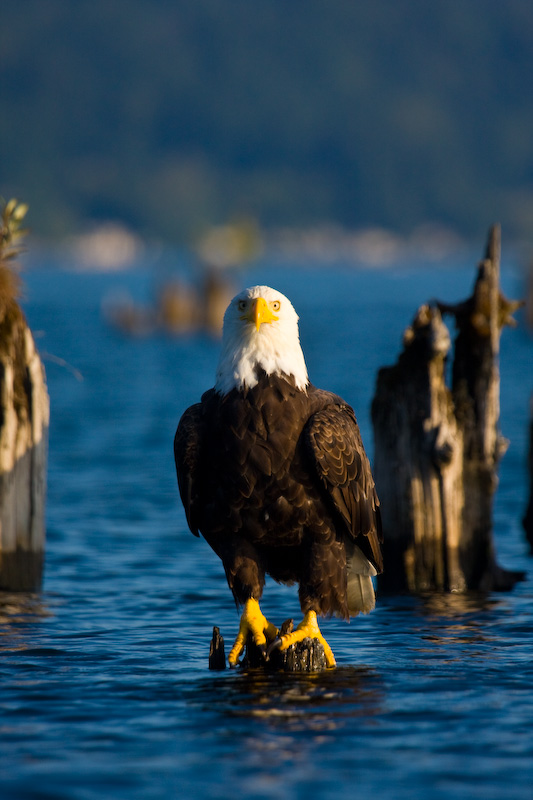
[24, 419]
[437, 449]
[476, 392]
[217, 655]
[418, 462]
[528, 517]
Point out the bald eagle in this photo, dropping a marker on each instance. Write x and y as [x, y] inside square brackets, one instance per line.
[273, 473]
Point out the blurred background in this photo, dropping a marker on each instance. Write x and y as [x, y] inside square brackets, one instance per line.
[166, 118]
[352, 155]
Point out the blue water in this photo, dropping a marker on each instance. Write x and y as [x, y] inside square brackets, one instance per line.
[105, 690]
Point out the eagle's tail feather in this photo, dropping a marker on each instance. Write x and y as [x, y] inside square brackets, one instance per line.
[360, 589]
[361, 595]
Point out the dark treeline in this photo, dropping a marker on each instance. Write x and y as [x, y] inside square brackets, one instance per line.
[167, 114]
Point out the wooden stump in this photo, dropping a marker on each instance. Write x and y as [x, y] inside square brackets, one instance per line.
[24, 415]
[24, 419]
[437, 449]
[217, 655]
[418, 462]
[529, 298]
[528, 518]
[305, 656]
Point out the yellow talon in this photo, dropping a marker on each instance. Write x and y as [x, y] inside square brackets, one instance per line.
[252, 621]
[308, 627]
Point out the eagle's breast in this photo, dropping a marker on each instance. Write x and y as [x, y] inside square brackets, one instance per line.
[256, 478]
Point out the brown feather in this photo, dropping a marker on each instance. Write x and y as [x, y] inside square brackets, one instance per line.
[277, 481]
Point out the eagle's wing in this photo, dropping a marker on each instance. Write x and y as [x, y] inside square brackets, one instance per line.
[187, 449]
[336, 448]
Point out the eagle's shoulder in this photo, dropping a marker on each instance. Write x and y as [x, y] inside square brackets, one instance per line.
[187, 454]
[207, 396]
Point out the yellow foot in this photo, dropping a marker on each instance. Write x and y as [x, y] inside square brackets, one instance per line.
[252, 621]
[308, 627]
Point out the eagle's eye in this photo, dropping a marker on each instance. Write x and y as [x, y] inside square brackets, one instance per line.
[276, 305]
[242, 305]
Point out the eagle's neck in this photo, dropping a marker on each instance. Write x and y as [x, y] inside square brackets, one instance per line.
[270, 350]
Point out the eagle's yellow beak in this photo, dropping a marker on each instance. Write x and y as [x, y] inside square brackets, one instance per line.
[259, 312]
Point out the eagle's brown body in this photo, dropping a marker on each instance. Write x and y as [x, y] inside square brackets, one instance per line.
[277, 481]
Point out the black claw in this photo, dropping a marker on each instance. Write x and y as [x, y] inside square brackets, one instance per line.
[274, 646]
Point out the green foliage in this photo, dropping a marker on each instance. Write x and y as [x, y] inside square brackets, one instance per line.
[170, 116]
[11, 235]
[11, 232]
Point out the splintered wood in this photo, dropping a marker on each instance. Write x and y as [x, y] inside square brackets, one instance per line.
[528, 517]
[437, 449]
[24, 416]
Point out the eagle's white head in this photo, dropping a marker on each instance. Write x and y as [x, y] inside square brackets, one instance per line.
[260, 330]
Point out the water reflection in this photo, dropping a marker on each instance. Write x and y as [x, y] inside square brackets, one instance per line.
[17, 611]
[294, 701]
[458, 626]
[457, 606]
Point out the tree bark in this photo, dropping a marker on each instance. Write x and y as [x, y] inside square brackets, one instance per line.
[418, 463]
[528, 518]
[437, 450]
[24, 419]
[217, 655]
